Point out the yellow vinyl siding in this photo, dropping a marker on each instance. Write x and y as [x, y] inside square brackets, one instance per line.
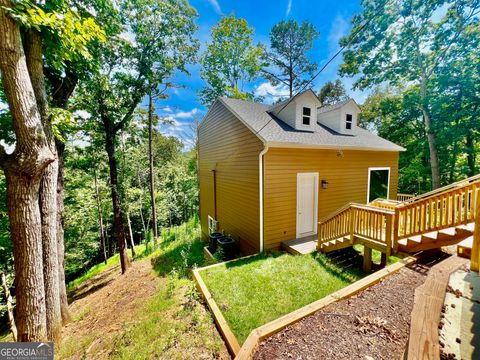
[346, 173]
[229, 147]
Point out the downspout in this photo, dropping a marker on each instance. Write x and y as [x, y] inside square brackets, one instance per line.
[260, 181]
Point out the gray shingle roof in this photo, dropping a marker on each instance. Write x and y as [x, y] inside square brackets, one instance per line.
[274, 131]
[335, 106]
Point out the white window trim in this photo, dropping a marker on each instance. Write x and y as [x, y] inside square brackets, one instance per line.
[309, 117]
[299, 117]
[315, 228]
[370, 169]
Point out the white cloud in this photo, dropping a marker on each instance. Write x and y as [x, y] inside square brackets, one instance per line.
[289, 7]
[186, 114]
[270, 92]
[338, 29]
[167, 109]
[216, 6]
[267, 89]
[85, 115]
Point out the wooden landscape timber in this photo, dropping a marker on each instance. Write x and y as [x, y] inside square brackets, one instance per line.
[260, 333]
[227, 334]
[423, 340]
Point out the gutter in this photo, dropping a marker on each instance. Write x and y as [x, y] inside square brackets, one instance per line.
[260, 193]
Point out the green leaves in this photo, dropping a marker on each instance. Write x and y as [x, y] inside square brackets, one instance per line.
[230, 61]
[62, 122]
[332, 92]
[66, 33]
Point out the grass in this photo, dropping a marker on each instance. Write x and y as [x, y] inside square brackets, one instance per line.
[253, 291]
[97, 269]
[376, 255]
[173, 323]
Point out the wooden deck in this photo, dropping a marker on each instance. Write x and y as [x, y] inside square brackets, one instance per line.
[302, 246]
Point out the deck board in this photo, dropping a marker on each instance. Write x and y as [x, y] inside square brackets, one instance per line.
[302, 246]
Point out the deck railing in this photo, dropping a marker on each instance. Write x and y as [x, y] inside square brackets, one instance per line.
[385, 203]
[404, 197]
[387, 221]
[365, 221]
[453, 207]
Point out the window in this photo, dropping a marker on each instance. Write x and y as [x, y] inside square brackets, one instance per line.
[307, 113]
[348, 124]
[378, 183]
[212, 225]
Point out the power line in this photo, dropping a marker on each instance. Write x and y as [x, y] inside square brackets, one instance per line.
[361, 28]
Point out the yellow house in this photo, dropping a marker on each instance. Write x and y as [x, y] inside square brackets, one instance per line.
[268, 173]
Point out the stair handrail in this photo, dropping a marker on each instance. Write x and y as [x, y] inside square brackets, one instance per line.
[446, 188]
[355, 205]
[348, 228]
[451, 207]
[335, 213]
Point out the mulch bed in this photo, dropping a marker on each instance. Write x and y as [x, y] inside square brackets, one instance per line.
[373, 324]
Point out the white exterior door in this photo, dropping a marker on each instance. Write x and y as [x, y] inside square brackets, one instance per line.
[307, 203]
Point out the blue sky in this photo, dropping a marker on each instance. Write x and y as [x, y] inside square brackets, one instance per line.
[331, 19]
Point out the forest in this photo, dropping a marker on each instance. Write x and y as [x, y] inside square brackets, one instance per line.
[87, 171]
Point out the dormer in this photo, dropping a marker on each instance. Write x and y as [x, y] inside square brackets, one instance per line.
[341, 117]
[300, 112]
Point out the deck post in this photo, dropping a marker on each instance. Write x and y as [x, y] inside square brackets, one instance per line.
[388, 233]
[475, 254]
[367, 259]
[383, 260]
[396, 221]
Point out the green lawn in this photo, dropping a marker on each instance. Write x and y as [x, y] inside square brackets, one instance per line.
[253, 291]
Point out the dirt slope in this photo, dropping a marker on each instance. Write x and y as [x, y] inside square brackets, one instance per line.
[105, 306]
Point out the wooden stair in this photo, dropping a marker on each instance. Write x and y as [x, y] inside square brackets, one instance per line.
[336, 244]
[442, 217]
[436, 239]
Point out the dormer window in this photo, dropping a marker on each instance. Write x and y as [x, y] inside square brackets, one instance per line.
[349, 122]
[307, 114]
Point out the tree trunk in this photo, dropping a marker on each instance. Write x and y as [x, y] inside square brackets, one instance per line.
[100, 217]
[8, 300]
[48, 189]
[470, 145]
[152, 172]
[431, 138]
[290, 78]
[66, 317]
[26, 229]
[23, 171]
[130, 235]
[63, 87]
[143, 222]
[117, 209]
[432, 146]
[48, 211]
